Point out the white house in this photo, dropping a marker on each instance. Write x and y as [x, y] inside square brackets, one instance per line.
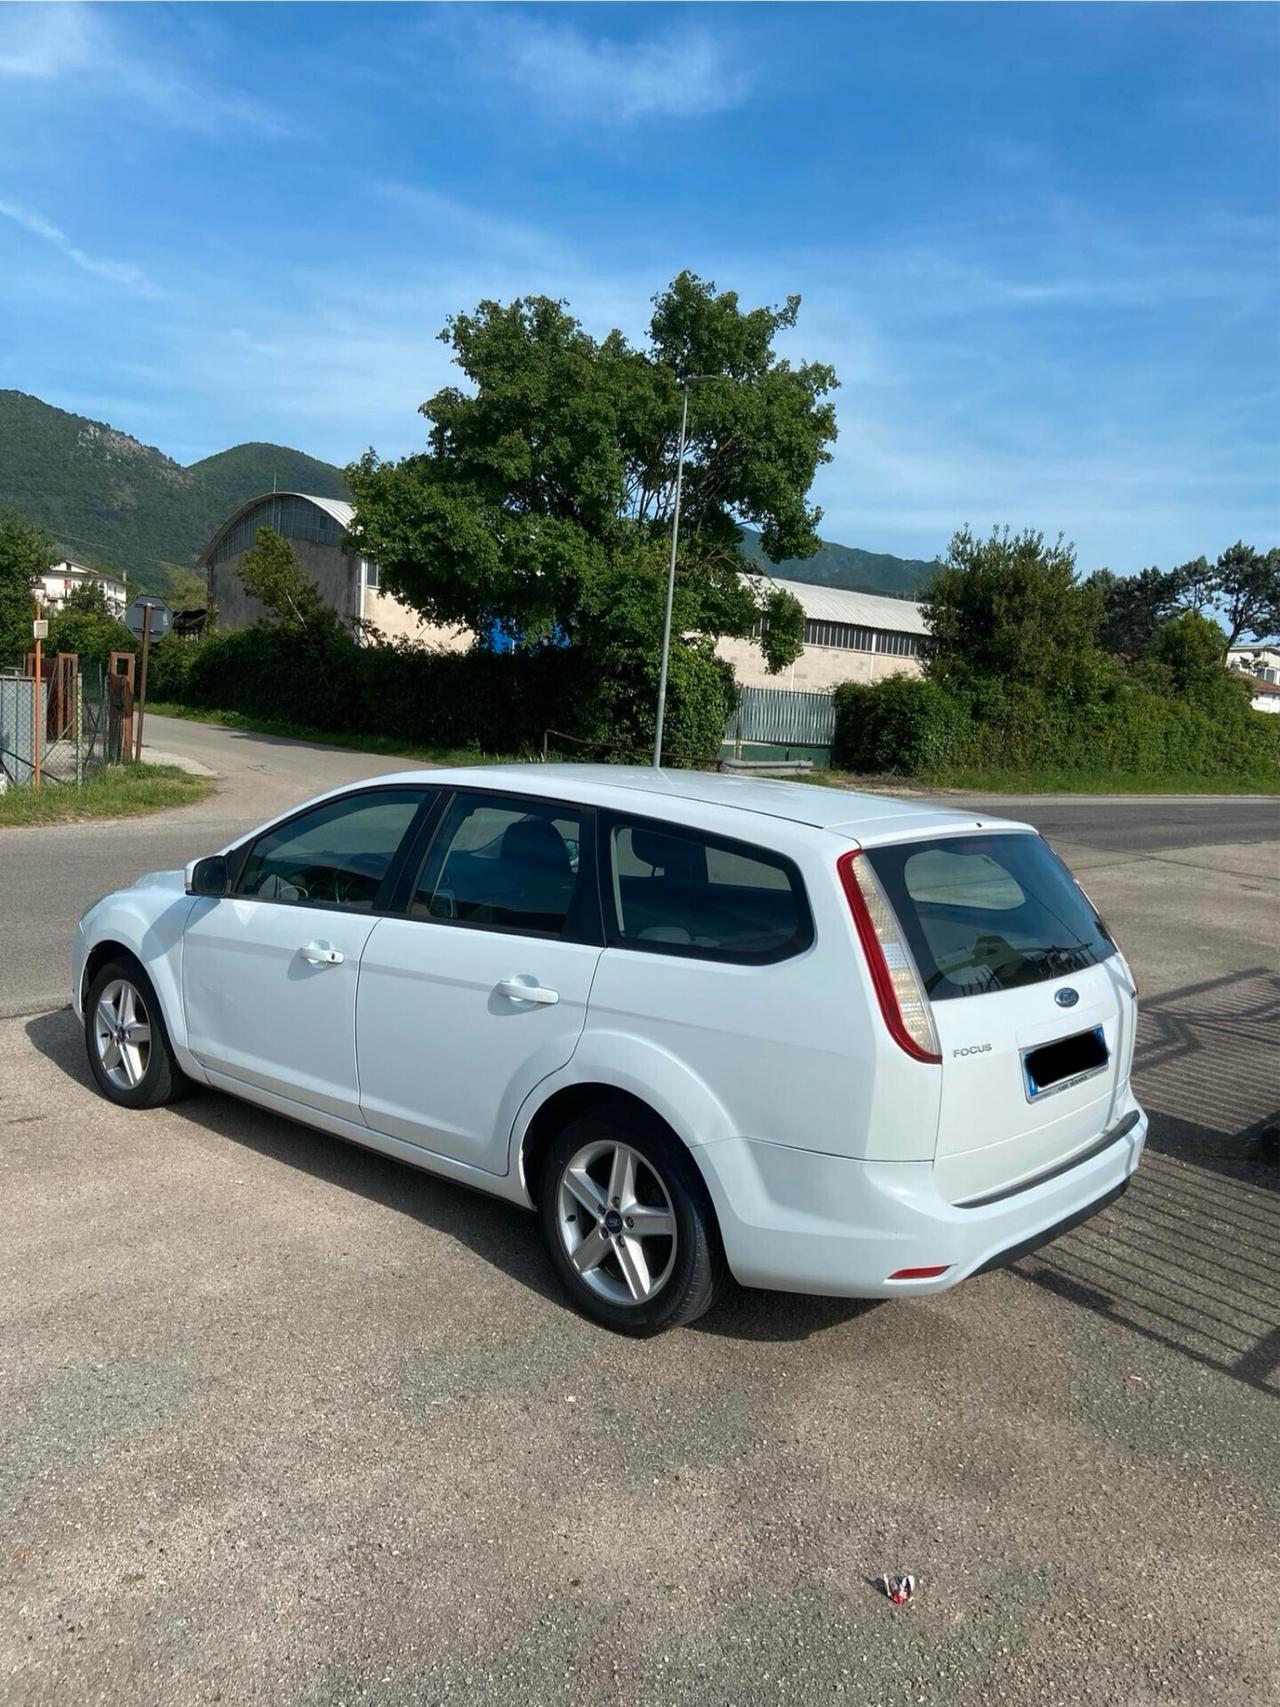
[61, 579]
[1261, 661]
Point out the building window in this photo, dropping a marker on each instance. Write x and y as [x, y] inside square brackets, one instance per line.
[294, 518]
[850, 637]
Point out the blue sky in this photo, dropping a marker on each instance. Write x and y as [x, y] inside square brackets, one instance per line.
[1039, 243]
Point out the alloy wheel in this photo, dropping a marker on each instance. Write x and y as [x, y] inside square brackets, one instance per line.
[616, 1222]
[122, 1034]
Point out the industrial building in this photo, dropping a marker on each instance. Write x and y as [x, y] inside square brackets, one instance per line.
[349, 583]
[848, 637]
[859, 637]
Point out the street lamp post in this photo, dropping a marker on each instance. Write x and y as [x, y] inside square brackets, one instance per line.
[693, 379]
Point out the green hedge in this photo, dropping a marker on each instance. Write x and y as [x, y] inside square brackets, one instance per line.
[909, 727]
[477, 699]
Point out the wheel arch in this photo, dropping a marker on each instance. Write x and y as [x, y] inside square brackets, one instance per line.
[566, 1104]
[99, 955]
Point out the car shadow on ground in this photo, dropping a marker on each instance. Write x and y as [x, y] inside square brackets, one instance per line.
[502, 1234]
[1190, 1258]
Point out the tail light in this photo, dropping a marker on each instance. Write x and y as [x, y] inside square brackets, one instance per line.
[893, 973]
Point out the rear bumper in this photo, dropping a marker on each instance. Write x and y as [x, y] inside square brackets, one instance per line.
[803, 1221]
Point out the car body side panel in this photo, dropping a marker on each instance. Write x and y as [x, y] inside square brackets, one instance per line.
[796, 1050]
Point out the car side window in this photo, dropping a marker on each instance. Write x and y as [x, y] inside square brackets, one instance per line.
[336, 855]
[502, 862]
[677, 891]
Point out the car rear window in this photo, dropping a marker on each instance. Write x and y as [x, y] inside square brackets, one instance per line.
[988, 913]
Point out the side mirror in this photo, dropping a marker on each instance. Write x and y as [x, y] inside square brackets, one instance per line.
[207, 876]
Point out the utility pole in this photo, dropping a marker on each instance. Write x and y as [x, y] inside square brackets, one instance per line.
[142, 679]
[692, 379]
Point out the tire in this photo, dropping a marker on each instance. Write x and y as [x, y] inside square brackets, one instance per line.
[130, 1055]
[635, 1282]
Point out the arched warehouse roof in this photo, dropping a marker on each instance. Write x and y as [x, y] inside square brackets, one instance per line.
[295, 515]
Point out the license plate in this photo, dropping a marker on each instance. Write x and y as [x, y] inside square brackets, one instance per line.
[1054, 1067]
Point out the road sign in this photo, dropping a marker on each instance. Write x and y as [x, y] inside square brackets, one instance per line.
[40, 628]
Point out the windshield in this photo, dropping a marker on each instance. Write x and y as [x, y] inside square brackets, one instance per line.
[986, 913]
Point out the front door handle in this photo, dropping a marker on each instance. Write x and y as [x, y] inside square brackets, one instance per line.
[320, 954]
[520, 990]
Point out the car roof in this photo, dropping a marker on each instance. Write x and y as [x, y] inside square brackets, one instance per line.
[643, 789]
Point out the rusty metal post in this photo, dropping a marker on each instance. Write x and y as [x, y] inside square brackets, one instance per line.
[37, 731]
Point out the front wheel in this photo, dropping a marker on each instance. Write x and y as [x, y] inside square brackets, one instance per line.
[129, 1051]
[628, 1224]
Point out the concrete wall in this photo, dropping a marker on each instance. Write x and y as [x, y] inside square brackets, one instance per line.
[335, 573]
[818, 669]
[398, 622]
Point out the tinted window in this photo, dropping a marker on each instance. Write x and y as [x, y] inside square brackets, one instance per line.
[334, 856]
[679, 892]
[503, 862]
[989, 912]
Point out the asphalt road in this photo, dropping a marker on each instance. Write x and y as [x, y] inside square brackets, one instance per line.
[283, 1421]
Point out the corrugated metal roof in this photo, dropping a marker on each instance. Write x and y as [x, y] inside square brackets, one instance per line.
[335, 507]
[864, 610]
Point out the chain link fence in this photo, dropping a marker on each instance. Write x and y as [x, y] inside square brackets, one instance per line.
[82, 726]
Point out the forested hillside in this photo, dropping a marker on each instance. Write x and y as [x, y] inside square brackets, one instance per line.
[108, 499]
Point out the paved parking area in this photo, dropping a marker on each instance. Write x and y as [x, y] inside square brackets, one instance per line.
[283, 1421]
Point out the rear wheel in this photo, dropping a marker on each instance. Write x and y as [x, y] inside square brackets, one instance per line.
[628, 1224]
[129, 1051]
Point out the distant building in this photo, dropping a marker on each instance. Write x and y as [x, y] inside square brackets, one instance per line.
[348, 583]
[1260, 661]
[859, 637]
[1265, 695]
[848, 637]
[61, 579]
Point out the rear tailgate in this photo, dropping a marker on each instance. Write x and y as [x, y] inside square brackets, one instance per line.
[1030, 999]
[1026, 1082]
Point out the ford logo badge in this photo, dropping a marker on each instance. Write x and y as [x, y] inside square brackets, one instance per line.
[1066, 998]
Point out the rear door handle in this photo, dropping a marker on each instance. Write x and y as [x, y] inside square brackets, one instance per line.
[320, 954]
[522, 990]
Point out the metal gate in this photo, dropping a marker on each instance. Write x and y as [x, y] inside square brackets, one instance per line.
[776, 718]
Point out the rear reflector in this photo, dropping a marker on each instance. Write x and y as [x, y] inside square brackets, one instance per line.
[902, 1000]
[920, 1273]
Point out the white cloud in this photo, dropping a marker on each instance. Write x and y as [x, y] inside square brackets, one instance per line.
[683, 74]
[121, 273]
[73, 46]
[44, 42]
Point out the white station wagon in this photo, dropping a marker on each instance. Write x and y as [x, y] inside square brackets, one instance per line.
[829, 1042]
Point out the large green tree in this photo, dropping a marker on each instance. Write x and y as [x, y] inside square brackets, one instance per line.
[25, 552]
[1241, 589]
[1009, 608]
[543, 501]
[1133, 607]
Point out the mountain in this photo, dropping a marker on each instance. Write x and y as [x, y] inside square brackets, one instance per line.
[107, 499]
[848, 567]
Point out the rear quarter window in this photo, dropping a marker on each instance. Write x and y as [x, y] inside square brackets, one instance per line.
[671, 890]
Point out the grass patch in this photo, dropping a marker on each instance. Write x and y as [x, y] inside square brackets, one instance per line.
[120, 791]
[382, 744]
[983, 781]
